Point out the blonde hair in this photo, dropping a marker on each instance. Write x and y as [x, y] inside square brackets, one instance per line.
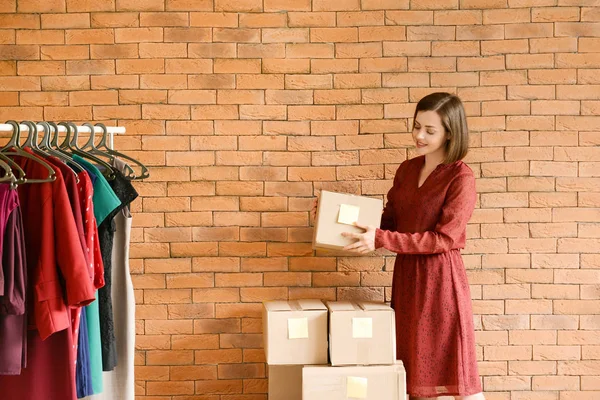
[454, 120]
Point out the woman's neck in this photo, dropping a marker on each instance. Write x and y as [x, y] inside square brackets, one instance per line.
[433, 160]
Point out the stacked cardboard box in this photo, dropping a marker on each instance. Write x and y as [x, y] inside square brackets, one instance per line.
[361, 353]
[295, 334]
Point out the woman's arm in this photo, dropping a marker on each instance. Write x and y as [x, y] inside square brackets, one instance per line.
[456, 212]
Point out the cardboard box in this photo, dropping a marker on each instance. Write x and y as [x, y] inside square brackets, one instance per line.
[386, 382]
[285, 382]
[336, 214]
[295, 332]
[361, 333]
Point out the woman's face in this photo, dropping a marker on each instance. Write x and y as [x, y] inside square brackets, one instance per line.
[428, 133]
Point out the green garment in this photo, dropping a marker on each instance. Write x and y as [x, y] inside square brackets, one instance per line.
[105, 201]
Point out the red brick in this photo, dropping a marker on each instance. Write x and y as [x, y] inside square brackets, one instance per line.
[430, 5]
[19, 52]
[113, 51]
[20, 21]
[264, 51]
[533, 30]
[358, 50]
[259, 81]
[217, 19]
[342, 5]
[237, 66]
[189, 5]
[220, 386]
[211, 50]
[492, 78]
[160, 50]
[33, 6]
[89, 67]
[458, 17]
[46, 36]
[493, 47]
[337, 35]
[506, 16]
[309, 50]
[415, 33]
[114, 20]
[202, 112]
[311, 19]
[264, 20]
[138, 35]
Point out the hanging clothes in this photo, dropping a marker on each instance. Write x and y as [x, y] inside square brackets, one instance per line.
[13, 317]
[104, 202]
[120, 383]
[126, 193]
[52, 245]
[87, 353]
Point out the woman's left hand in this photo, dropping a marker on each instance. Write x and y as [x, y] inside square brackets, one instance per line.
[365, 242]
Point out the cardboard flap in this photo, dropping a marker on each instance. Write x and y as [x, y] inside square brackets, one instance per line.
[277, 306]
[342, 306]
[299, 305]
[367, 306]
[311, 304]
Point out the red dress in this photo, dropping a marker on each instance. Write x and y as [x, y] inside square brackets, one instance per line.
[426, 226]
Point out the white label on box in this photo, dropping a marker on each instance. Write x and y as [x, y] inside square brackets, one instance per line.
[348, 214]
[356, 387]
[297, 328]
[362, 328]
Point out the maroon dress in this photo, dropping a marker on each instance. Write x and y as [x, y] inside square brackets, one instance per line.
[426, 227]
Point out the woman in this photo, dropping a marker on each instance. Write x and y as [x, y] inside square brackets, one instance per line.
[424, 222]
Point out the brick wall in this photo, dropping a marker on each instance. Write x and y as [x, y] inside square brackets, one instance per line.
[245, 110]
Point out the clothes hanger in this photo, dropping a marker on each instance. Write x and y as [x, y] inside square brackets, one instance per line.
[113, 153]
[13, 148]
[145, 172]
[71, 144]
[32, 142]
[13, 166]
[8, 175]
[100, 153]
[32, 138]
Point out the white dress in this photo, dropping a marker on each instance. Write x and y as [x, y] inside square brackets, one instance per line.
[119, 384]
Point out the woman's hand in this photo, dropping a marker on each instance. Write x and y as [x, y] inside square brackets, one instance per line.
[365, 242]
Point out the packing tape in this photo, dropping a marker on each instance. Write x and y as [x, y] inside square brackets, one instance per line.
[362, 352]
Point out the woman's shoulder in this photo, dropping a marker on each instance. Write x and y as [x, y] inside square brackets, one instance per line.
[460, 168]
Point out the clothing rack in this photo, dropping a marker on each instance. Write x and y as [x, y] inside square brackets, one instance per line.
[111, 130]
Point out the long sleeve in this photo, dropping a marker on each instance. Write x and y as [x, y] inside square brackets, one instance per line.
[388, 218]
[449, 232]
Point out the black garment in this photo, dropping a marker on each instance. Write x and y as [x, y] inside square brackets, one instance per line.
[106, 231]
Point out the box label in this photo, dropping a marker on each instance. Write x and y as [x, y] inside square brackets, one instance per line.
[348, 214]
[297, 328]
[362, 328]
[356, 387]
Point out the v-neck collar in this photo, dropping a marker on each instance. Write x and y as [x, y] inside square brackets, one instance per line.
[420, 168]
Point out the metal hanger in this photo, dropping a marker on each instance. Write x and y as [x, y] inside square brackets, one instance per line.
[32, 142]
[93, 150]
[13, 166]
[113, 153]
[32, 138]
[13, 148]
[71, 144]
